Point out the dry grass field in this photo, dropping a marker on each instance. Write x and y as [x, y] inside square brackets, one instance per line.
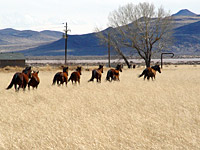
[130, 114]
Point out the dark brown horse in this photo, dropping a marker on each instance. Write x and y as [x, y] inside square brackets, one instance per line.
[150, 72]
[75, 76]
[96, 73]
[113, 74]
[34, 80]
[61, 77]
[21, 79]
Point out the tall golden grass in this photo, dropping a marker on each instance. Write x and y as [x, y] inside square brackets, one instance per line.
[130, 114]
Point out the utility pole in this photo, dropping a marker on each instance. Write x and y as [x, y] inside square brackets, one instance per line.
[66, 37]
[109, 50]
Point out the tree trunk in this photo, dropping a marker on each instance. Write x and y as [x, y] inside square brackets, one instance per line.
[126, 61]
[147, 62]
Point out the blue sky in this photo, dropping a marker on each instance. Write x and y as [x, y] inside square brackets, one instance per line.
[82, 15]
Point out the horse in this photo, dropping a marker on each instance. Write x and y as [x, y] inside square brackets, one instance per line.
[61, 77]
[150, 72]
[114, 73]
[34, 81]
[21, 79]
[75, 76]
[96, 73]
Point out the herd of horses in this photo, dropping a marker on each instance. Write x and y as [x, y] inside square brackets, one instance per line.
[24, 78]
[30, 78]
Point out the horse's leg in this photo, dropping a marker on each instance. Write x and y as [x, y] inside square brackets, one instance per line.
[15, 87]
[112, 77]
[20, 86]
[78, 81]
[153, 77]
[144, 77]
[148, 78]
[66, 81]
[25, 86]
[62, 82]
[92, 79]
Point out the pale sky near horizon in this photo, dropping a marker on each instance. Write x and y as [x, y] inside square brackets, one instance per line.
[82, 16]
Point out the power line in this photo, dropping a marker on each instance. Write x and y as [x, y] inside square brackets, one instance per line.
[66, 37]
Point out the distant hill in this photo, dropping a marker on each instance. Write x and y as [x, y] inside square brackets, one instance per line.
[28, 36]
[50, 43]
[185, 12]
[192, 28]
[80, 45]
[12, 40]
[187, 39]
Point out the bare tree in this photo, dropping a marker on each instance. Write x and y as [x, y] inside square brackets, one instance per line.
[141, 28]
[108, 37]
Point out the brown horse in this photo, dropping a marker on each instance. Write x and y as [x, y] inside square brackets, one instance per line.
[150, 72]
[61, 77]
[75, 76]
[96, 73]
[21, 79]
[113, 74]
[34, 80]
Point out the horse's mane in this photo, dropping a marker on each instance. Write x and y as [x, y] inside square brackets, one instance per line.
[118, 67]
[100, 66]
[26, 70]
[156, 67]
[65, 69]
[78, 69]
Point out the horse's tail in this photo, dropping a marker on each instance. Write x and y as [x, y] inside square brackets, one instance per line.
[93, 74]
[12, 82]
[143, 73]
[69, 79]
[55, 79]
[108, 75]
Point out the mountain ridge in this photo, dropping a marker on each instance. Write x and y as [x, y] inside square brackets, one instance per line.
[184, 12]
[51, 43]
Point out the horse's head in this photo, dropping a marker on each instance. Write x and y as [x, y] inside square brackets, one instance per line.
[27, 71]
[101, 68]
[119, 67]
[65, 69]
[78, 69]
[157, 68]
[34, 76]
[28, 68]
[35, 73]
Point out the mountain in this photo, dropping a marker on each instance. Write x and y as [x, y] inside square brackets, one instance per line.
[49, 43]
[87, 44]
[28, 36]
[191, 29]
[185, 12]
[13, 40]
[187, 39]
